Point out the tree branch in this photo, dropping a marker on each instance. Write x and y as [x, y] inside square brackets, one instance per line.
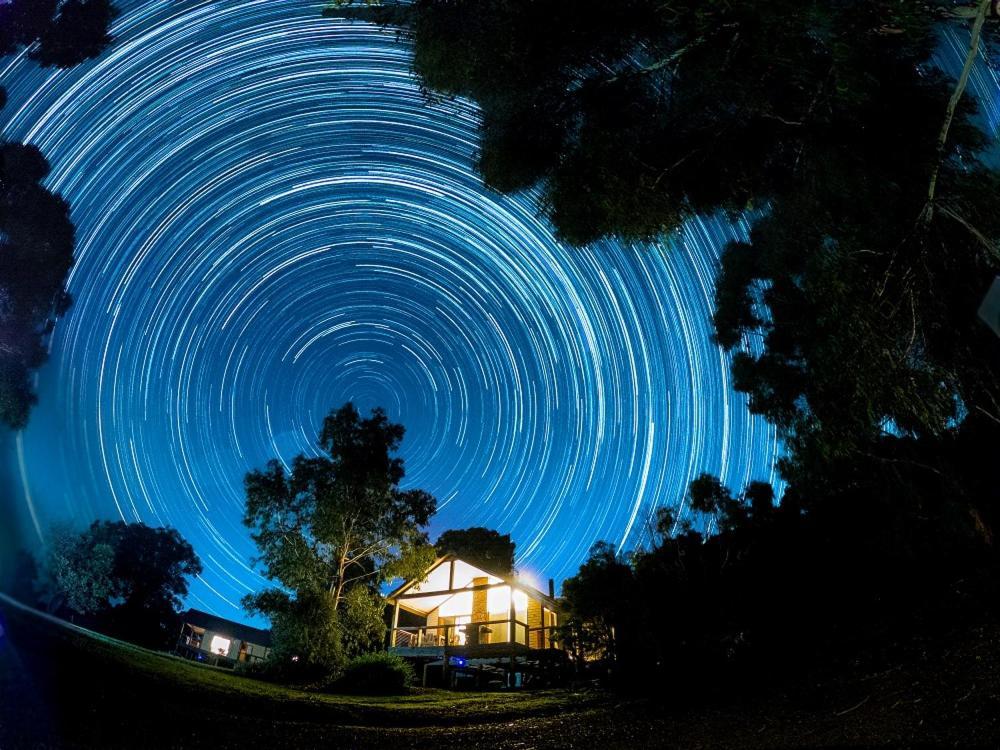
[983, 239]
[659, 64]
[956, 96]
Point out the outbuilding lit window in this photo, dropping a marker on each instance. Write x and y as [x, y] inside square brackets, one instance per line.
[220, 645]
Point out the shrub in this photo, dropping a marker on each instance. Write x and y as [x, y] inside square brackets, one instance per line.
[377, 673]
[256, 669]
[306, 644]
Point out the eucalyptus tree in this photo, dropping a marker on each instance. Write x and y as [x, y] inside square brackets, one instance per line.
[334, 527]
[479, 546]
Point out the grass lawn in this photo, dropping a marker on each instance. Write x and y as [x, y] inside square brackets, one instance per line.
[112, 694]
[63, 687]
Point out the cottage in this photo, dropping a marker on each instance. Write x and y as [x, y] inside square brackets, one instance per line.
[458, 615]
[213, 639]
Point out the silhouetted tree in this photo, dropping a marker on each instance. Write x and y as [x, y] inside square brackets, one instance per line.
[128, 580]
[764, 591]
[36, 234]
[478, 546]
[36, 253]
[65, 32]
[601, 611]
[875, 233]
[337, 526]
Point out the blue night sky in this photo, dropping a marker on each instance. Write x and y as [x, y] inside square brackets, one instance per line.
[273, 220]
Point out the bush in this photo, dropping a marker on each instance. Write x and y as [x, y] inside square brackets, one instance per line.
[378, 673]
[305, 636]
[255, 669]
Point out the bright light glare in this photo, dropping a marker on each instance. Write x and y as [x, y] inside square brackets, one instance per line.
[498, 601]
[220, 645]
[459, 604]
[528, 578]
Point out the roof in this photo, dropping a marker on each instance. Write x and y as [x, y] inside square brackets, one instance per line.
[227, 627]
[493, 577]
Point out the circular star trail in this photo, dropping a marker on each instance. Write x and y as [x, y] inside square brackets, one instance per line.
[272, 220]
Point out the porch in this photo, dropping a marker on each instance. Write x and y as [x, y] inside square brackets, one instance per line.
[458, 609]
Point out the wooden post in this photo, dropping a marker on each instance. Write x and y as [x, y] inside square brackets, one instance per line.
[395, 624]
[513, 622]
[446, 666]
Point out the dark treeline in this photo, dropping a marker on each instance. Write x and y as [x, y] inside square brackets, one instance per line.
[850, 312]
[36, 234]
[779, 592]
[127, 580]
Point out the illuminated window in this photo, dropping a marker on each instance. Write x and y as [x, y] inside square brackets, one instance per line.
[456, 605]
[461, 621]
[498, 601]
[220, 645]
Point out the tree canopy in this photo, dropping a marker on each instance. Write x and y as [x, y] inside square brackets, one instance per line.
[850, 311]
[36, 253]
[36, 235]
[478, 546]
[63, 33]
[127, 579]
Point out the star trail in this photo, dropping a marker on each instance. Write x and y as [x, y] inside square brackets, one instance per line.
[273, 219]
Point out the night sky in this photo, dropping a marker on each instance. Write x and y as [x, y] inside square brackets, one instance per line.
[272, 220]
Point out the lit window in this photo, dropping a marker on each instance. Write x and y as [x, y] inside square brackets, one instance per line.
[220, 645]
[456, 605]
[498, 601]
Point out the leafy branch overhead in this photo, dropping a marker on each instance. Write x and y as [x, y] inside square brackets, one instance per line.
[850, 310]
[60, 34]
[36, 234]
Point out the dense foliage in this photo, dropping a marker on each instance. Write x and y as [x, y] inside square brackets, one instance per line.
[486, 548]
[329, 533]
[36, 253]
[63, 33]
[773, 591]
[125, 579]
[376, 673]
[36, 234]
[878, 236]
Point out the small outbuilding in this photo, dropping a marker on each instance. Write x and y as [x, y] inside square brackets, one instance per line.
[213, 639]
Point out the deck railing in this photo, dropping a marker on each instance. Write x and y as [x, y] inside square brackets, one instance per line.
[466, 634]
[474, 634]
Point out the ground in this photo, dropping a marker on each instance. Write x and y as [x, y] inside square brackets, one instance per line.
[62, 687]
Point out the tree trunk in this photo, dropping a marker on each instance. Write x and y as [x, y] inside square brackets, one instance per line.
[977, 29]
[337, 587]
